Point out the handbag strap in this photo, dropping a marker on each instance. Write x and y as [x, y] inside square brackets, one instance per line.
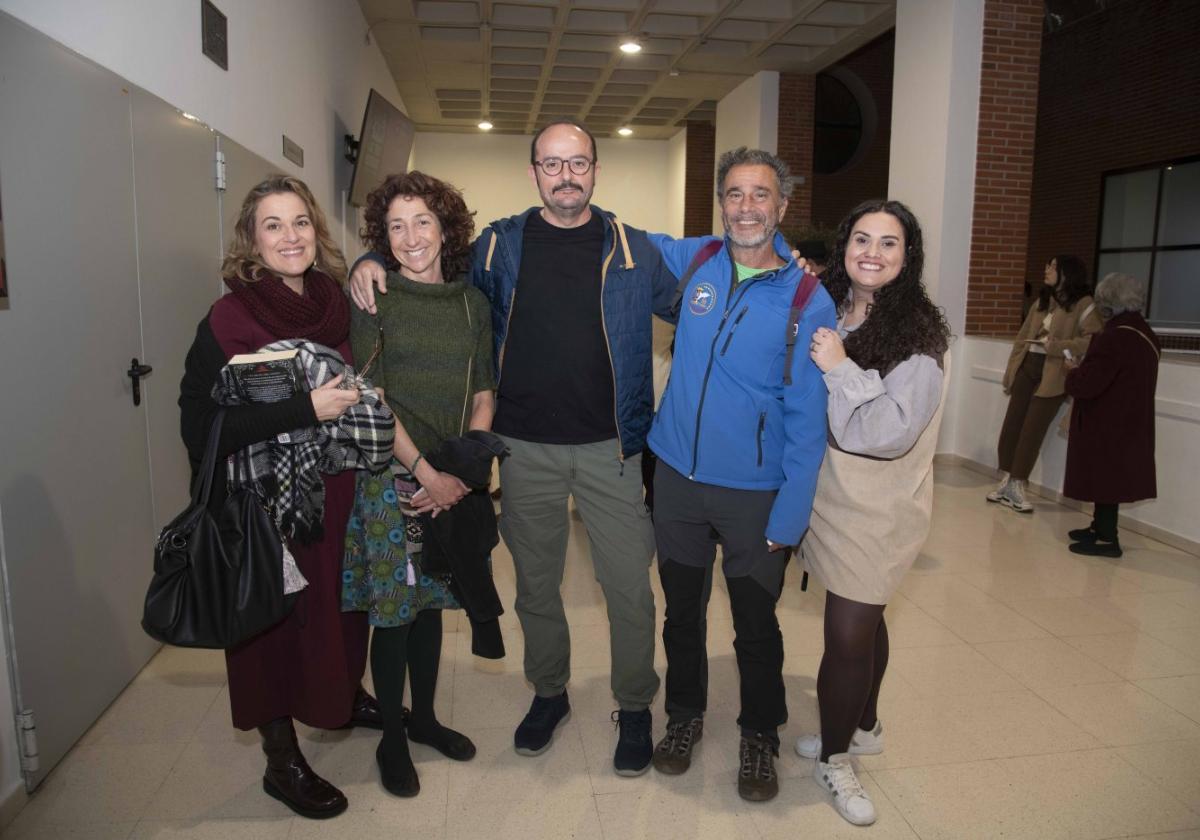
[203, 488]
[1145, 338]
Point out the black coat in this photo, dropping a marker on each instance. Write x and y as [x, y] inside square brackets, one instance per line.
[460, 540]
[1110, 451]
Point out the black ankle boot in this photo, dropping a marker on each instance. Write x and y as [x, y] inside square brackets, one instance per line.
[289, 778]
[396, 771]
[449, 743]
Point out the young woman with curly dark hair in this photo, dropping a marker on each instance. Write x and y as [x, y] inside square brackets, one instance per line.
[432, 344]
[1059, 327]
[886, 367]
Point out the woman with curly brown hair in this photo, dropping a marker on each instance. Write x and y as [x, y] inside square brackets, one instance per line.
[886, 367]
[432, 340]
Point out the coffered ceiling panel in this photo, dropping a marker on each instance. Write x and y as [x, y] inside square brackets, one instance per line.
[522, 62]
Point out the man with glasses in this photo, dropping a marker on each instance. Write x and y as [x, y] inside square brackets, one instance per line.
[572, 291]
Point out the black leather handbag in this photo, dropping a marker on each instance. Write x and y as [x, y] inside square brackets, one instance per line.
[218, 578]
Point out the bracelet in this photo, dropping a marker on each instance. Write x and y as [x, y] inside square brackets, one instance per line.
[413, 469]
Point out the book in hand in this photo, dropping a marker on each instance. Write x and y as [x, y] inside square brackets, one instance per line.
[270, 377]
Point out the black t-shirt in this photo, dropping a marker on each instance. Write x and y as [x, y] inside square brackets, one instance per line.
[556, 384]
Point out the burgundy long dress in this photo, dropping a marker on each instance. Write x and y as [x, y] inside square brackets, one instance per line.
[309, 665]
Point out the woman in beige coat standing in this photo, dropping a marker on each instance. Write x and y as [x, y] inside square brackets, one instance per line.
[886, 368]
[1059, 327]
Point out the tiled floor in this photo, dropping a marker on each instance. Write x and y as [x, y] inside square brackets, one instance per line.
[1031, 694]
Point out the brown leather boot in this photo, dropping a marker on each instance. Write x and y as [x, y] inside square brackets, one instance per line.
[289, 778]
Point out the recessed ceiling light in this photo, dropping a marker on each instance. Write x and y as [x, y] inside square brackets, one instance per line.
[485, 125]
[625, 131]
[630, 45]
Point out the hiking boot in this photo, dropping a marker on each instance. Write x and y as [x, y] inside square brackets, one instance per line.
[634, 744]
[1000, 493]
[1016, 497]
[673, 755]
[757, 781]
[861, 743]
[533, 735]
[837, 776]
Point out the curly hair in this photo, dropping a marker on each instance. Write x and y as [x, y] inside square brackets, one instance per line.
[1072, 284]
[242, 259]
[446, 202]
[742, 156]
[902, 321]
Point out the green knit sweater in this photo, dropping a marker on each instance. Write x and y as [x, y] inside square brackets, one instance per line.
[437, 354]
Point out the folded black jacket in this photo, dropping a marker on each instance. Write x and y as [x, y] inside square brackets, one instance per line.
[459, 541]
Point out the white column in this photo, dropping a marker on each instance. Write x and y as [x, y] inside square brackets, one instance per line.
[935, 120]
[747, 116]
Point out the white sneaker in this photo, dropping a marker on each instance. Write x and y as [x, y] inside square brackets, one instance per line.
[861, 743]
[1016, 497]
[849, 797]
[1000, 494]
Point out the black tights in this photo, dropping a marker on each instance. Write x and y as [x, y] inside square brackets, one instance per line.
[416, 648]
[856, 655]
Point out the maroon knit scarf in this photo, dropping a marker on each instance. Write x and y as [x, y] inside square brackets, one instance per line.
[321, 314]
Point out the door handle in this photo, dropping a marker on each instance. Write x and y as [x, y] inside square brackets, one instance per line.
[136, 371]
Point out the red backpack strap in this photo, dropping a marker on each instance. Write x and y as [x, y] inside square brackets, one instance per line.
[702, 256]
[804, 292]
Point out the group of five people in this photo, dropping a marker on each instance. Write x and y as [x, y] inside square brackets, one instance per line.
[541, 333]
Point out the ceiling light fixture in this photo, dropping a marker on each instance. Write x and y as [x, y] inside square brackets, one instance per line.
[631, 46]
[485, 125]
[625, 131]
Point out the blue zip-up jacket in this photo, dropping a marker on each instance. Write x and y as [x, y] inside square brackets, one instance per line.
[635, 285]
[726, 417]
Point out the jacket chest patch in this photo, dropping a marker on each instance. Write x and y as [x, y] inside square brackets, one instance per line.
[702, 299]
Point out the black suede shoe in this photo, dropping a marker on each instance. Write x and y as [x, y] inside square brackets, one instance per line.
[398, 775]
[533, 735]
[1099, 548]
[1083, 535]
[449, 743]
[634, 744]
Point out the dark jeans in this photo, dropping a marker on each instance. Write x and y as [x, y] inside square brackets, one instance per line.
[1026, 420]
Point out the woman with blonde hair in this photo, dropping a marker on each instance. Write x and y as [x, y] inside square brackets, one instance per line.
[284, 275]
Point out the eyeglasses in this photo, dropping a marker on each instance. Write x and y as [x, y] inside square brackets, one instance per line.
[553, 166]
[359, 379]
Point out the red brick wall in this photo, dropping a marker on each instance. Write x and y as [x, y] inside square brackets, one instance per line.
[1118, 89]
[699, 188]
[835, 195]
[1008, 112]
[795, 145]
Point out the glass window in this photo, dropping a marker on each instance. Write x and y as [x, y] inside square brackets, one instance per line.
[1179, 221]
[1129, 210]
[1175, 293]
[1133, 263]
[837, 125]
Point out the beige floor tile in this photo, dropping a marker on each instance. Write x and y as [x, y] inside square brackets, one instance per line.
[1120, 714]
[185, 666]
[1136, 656]
[36, 830]
[104, 783]
[1011, 723]
[214, 830]
[929, 590]
[154, 712]
[977, 800]
[1046, 663]
[482, 701]
[502, 795]
[804, 809]
[1071, 617]
[655, 809]
[1148, 610]
[1174, 765]
[992, 622]
[1180, 693]
[914, 628]
[949, 670]
[1183, 639]
[1095, 793]
[218, 780]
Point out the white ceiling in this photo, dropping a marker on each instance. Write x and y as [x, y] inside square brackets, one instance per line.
[524, 62]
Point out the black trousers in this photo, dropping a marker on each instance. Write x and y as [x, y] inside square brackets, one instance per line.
[690, 520]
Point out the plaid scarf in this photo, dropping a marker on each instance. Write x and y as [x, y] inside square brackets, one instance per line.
[285, 471]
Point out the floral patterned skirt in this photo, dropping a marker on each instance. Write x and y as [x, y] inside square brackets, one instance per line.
[381, 567]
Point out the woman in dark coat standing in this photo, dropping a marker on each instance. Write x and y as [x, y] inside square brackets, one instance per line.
[1110, 451]
[284, 274]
